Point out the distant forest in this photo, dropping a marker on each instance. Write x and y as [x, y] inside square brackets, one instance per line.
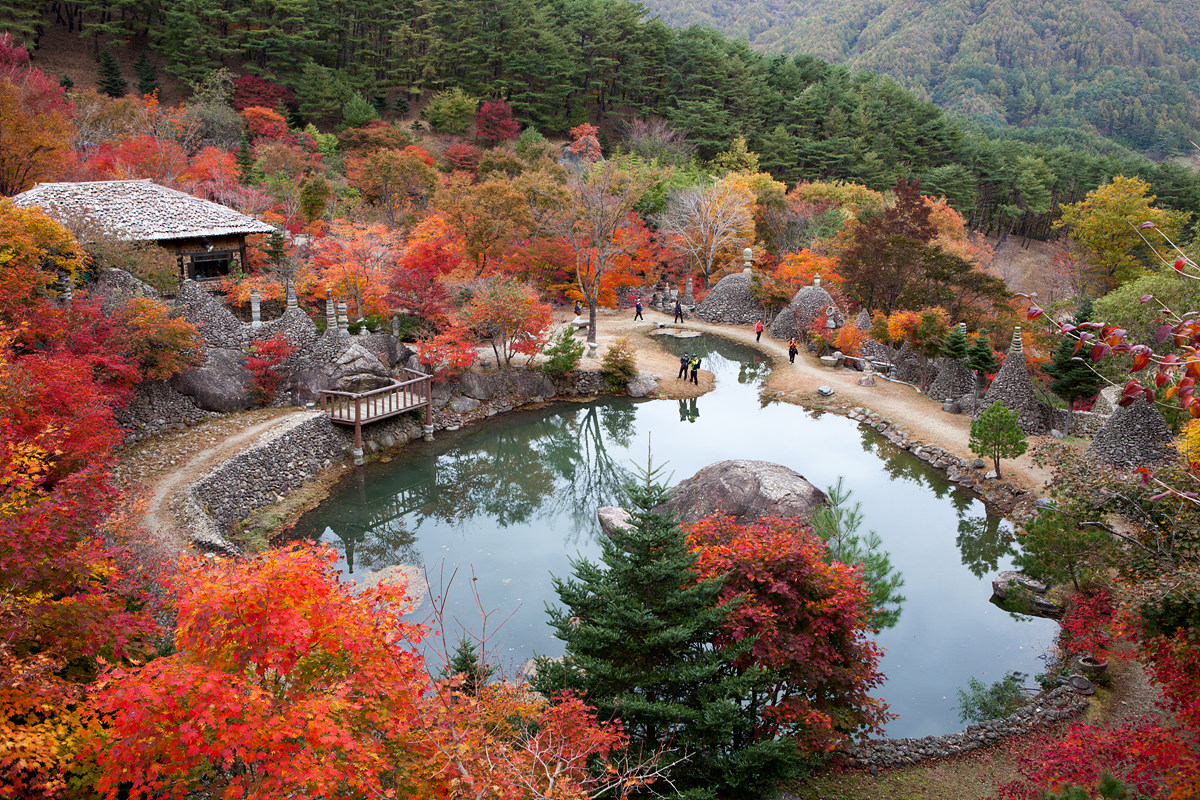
[562, 62]
[1125, 69]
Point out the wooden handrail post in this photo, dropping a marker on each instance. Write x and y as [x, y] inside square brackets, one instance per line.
[428, 408]
[358, 448]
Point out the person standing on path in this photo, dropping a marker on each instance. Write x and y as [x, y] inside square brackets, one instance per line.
[678, 311]
[683, 366]
[758, 330]
[792, 349]
[637, 309]
[695, 369]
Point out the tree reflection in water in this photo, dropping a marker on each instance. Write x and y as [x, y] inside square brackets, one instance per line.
[983, 541]
[506, 476]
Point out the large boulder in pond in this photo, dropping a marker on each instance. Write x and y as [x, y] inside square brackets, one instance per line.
[220, 383]
[745, 490]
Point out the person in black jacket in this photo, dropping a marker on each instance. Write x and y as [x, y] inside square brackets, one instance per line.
[683, 367]
[678, 311]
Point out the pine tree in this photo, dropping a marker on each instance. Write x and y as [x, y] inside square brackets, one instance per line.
[66, 83]
[402, 105]
[997, 434]
[955, 345]
[147, 79]
[639, 631]
[1073, 380]
[276, 250]
[982, 359]
[466, 663]
[245, 162]
[111, 82]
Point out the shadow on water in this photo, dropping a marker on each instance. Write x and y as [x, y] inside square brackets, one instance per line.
[512, 501]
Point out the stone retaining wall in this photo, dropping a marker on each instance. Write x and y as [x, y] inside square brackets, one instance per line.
[1005, 498]
[294, 452]
[1047, 708]
[157, 407]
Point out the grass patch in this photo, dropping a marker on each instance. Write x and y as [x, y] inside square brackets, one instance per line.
[260, 530]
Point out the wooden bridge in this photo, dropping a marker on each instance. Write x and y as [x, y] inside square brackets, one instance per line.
[358, 409]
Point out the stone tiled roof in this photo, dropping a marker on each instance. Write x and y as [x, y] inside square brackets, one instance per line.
[139, 211]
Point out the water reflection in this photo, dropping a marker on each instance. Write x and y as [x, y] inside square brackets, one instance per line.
[513, 501]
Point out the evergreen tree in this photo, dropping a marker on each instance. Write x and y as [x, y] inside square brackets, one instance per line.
[276, 250]
[402, 106]
[1073, 380]
[996, 434]
[111, 82]
[955, 345]
[245, 160]
[66, 83]
[466, 664]
[639, 632]
[147, 79]
[982, 359]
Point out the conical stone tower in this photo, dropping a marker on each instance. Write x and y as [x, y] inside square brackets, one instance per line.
[1014, 388]
[731, 302]
[1135, 435]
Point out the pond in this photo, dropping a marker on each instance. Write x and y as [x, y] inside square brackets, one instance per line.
[510, 502]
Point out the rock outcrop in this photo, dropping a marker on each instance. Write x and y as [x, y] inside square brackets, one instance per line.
[220, 383]
[745, 490]
[731, 302]
[643, 384]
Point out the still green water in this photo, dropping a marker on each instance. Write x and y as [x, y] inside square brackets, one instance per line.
[509, 503]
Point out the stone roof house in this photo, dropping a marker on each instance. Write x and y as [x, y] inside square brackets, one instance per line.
[206, 238]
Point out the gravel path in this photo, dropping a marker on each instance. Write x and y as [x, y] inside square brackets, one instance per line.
[159, 468]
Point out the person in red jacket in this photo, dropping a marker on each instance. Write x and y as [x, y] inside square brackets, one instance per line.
[758, 330]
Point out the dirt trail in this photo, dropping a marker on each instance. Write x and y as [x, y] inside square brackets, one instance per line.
[163, 466]
[797, 383]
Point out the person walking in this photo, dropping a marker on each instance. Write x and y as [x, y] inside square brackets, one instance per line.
[758, 330]
[578, 308]
[683, 366]
[792, 349]
[695, 369]
[637, 309]
[678, 311]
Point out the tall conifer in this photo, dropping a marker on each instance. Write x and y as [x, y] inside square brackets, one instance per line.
[639, 631]
[111, 82]
[147, 79]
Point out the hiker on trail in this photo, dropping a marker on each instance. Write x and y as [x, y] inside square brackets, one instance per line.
[683, 366]
[637, 308]
[695, 364]
[758, 330]
[578, 308]
[678, 311]
[792, 349]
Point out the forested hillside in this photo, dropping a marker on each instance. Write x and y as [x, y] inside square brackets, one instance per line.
[563, 62]
[1127, 69]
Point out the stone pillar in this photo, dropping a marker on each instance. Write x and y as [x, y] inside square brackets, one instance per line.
[817, 280]
[291, 295]
[428, 433]
[689, 299]
[748, 258]
[255, 309]
[64, 281]
[1017, 345]
[343, 322]
[396, 325]
[331, 319]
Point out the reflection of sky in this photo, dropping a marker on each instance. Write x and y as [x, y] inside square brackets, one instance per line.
[948, 631]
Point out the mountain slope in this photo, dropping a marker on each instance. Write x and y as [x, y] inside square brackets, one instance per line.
[1127, 69]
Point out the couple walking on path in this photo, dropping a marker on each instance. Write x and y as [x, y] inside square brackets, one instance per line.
[687, 362]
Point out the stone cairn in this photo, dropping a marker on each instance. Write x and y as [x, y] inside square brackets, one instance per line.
[1135, 435]
[954, 378]
[1014, 388]
[863, 320]
[807, 304]
[731, 302]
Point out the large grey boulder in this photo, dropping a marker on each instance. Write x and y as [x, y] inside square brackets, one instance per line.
[475, 386]
[642, 384]
[528, 383]
[613, 519]
[221, 383]
[358, 370]
[745, 490]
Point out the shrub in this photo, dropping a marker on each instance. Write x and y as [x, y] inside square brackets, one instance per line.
[160, 344]
[619, 365]
[981, 702]
[562, 354]
[462, 157]
[265, 362]
[251, 90]
[451, 111]
[494, 123]
[1085, 626]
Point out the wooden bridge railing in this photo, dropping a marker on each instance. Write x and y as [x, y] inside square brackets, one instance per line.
[361, 408]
